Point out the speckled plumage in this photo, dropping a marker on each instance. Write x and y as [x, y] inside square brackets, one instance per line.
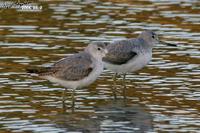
[71, 68]
[130, 55]
[77, 70]
[120, 52]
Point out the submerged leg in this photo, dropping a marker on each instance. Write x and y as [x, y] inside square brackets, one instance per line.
[124, 86]
[114, 86]
[63, 100]
[73, 100]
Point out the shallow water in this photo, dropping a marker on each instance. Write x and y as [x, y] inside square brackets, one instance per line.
[162, 97]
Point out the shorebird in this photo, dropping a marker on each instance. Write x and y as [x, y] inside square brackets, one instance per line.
[130, 55]
[76, 71]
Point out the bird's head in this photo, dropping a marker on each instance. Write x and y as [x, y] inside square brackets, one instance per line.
[152, 38]
[97, 49]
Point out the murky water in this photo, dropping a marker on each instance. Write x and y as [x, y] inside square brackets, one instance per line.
[162, 97]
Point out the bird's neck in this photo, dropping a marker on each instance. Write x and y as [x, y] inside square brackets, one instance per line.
[94, 56]
[145, 42]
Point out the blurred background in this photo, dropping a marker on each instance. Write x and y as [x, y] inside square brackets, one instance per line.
[162, 97]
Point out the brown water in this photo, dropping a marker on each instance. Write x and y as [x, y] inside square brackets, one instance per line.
[162, 97]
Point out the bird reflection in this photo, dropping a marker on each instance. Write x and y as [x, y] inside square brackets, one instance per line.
[110, 116]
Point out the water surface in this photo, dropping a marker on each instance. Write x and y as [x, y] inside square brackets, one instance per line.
[162, 97]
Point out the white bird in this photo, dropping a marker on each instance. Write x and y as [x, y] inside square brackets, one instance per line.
[130, 55]
[78, 70]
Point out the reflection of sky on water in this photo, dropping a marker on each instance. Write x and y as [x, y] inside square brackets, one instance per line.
[163, 97]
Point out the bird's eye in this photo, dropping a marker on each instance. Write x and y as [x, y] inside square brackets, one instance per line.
[99, 49]
[153, 36]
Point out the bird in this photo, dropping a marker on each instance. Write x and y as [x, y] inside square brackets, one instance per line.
[130, 55]
[76, 71]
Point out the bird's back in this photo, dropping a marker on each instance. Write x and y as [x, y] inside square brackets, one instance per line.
[120, 52]
[127, 55]
[72, 68]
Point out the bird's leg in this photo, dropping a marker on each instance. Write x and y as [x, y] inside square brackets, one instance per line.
[114, 85]
[73, 100]
[124, 78]
[63, 100]
[124, 86]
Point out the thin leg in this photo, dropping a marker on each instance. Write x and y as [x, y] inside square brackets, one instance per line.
[114, 86]
[124, 86]
[124, 78]
[115, 76]
[63, 100]
[73, 100]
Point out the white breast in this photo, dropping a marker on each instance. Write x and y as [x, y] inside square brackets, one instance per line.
[133, 65]
[92, 76]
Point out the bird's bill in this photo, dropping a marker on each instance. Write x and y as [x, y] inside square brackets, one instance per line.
[168, 44]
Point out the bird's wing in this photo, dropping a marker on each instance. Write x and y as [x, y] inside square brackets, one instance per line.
[119, 52]
[71, 68]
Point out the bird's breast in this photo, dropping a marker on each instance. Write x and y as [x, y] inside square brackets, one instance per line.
[140, 61]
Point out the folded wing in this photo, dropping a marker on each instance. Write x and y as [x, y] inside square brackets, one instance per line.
[120, 52]
[71, 68]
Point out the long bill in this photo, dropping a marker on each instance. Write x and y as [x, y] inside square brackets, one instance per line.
[168, 44]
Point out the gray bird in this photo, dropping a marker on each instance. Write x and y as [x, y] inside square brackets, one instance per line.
[132, 54]
[78, 70]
